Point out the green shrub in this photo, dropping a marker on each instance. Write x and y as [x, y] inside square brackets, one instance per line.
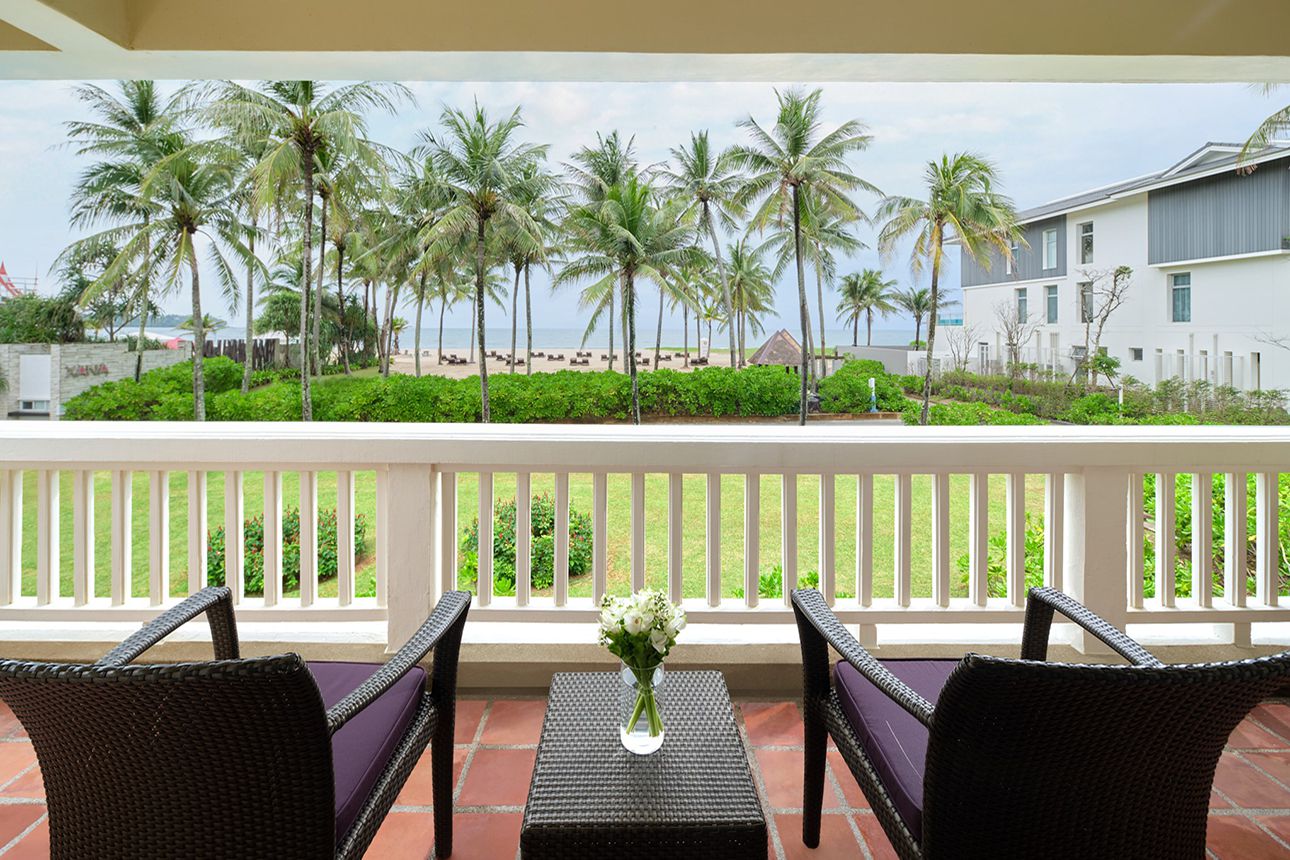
[967, 414]
[996, 565]
[164, 394]
[847, 390]
[253, 552]
[542, 554]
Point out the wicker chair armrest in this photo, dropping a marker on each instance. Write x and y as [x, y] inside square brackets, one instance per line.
[215, 601]
[443, 627]
[1041, 604]
[810, 606]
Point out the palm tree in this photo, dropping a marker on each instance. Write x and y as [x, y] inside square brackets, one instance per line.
[917, 301]
[129, 132]
[1270, 130]
[962, 205]
[793, 158]
[398, 325]
[209, 323]
[591, 172]
[626, 237]
[449, 287]
[193, 190]
[752, 288]
[864, 294]
[301, 125]
[532, 192]
[711, 183]
[479, 160]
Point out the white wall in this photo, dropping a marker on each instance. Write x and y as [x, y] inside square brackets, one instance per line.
[1233, 303]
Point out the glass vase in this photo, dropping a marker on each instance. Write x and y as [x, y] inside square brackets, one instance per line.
[641, 726]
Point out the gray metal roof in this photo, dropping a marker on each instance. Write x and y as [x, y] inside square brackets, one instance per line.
[1179, 171]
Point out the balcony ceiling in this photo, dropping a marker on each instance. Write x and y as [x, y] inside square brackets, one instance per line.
[1125, 40]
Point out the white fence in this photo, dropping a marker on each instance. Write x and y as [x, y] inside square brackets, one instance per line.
[1088, 482]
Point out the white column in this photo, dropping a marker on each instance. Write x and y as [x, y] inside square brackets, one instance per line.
[1093, 551]
[412, 586]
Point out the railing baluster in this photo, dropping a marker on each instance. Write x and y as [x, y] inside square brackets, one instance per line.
[1202, 539]
[234, 534]
[485, 561]
[638, 531]
[903, 538]
[1266, 544]
[309, 537]
[752, 537]
[599, 536]
[1054, 522]
[82, 536]
[448, 538]
[384, 535]
[941, 538]
[561, 538]
[272, 537]
[10, 535]
[158, 537]
[1164, 570]
[523, 538]
[122, 534]
[1235, 538]
[197, 531]
[674, 533]
[828, 540]
[1134, 542]
[712, 540]
[1015, 503]
[788, 528]
[864, 539]
[47, 537]
[978, 537]
[345, 537]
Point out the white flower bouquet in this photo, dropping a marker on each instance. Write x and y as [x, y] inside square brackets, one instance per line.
[640, 630]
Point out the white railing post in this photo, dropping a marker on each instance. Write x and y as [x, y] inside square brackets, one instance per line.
[82, 536]
[1094, 546]
[158, 537]
[272, 538]
[413, 589]
[47, 535]
[234, 534]
[10, 535]
[122, 534]
[197, 531]
[308, 537]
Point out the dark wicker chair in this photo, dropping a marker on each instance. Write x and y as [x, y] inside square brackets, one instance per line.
[1023, 758]
[237, 757]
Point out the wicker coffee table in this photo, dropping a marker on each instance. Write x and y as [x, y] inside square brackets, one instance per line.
[694, 798]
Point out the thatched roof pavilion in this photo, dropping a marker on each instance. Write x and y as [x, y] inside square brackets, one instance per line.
[781, 348]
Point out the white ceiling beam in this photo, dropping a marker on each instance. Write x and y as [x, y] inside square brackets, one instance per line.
[62, 31]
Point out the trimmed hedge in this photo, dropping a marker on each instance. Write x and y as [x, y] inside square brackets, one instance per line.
[563, 396]
[542, 555]
[253, 546]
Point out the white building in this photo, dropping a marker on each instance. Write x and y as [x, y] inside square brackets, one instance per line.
[1209, 245]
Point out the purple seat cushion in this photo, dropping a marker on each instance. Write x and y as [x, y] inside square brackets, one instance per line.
[895, 741]
[361, 748]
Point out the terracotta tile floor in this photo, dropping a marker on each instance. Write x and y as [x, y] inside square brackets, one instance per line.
[497, 742]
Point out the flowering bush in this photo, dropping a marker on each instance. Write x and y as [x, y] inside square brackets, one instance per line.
[640, 630]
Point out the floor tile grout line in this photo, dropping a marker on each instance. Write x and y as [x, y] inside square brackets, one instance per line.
[9, 846]
[754, 768]
[470, 753]
[26, 770]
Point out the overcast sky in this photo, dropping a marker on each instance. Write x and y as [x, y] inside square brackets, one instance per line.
[1048, 140]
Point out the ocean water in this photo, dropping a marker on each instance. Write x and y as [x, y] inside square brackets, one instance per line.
[458, 338]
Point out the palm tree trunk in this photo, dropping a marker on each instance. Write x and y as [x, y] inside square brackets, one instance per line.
[416, 335]
[685, 327]
[479, 320]
[612, 322]
[658, 338]
[727, 303]
[855, 330]
[528, 324]
[629, 315]
[443, 306]
[743, 338]
[515, 318]
[322, 267]
[143, 302]
[931, 327]
[472, 326]
[306, 396]
[345, 331]
[824, 350]
[868, 328]
[698, 334]
[367, 321]
[626, 323]
[250, 312]
[199, 340]
[387, 328]
[801, 298]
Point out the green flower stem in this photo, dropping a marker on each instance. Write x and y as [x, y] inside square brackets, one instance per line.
[646, 703]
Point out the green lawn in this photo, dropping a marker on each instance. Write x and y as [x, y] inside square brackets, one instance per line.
[694, 490]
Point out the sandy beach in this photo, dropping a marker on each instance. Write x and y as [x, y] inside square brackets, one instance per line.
[545, 360]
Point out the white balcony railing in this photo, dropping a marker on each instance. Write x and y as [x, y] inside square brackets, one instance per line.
[1087, 481]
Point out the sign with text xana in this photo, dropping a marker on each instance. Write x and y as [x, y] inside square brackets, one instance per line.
[77, 370]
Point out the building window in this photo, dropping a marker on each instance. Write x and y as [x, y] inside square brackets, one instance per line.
[1023, 309]
[1009, 262]
[1086, 242]
[1050, 249]
[1086, 302]
[1180, 297]
[1050, 299]
[33, 405]
[1135, 353]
